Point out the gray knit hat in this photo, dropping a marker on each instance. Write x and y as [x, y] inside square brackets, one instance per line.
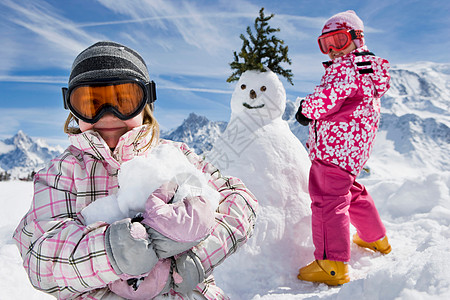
[108, 60]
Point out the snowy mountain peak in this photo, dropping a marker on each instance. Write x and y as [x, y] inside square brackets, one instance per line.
[194, 122]
[20, 154]
[20, 140]
[196, 131]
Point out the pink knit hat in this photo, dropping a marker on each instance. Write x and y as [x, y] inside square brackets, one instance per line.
[345, 20]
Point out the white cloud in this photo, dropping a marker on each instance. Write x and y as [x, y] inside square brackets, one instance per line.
[42, 35]
[34, 79]
[203, 27]
[201, 90]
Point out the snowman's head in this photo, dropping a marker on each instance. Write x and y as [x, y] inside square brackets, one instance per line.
[259, 95]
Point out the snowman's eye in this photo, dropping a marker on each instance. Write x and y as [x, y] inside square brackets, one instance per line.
[243, 87]
[263, 88]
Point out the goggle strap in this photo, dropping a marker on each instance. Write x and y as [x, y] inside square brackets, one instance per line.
[64, 94]
[356, 34]
[151, 92]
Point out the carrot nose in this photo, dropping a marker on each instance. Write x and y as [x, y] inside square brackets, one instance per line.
[252, 94]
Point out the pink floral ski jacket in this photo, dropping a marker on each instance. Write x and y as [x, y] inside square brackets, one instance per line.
[345, 109]
[64, 257]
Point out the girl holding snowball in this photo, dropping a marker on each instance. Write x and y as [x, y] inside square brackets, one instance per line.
[169, 250]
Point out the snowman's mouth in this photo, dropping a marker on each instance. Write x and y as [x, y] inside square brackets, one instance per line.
[246, 105]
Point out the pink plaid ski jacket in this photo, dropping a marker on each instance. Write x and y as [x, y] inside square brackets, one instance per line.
[64, 257]
[345, 109]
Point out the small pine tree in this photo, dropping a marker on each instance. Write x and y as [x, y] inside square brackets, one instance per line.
[265, 50]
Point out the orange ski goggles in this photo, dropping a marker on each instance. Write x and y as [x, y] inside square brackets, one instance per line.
[89, 101]
[338, 39]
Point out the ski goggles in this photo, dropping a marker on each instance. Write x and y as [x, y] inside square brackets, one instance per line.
[89, 101]
[338, 39]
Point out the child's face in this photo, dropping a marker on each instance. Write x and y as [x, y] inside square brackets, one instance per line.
[335, 54]
[111, 128]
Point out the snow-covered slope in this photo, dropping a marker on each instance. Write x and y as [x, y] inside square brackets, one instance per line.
[416, 115]
[422, 89]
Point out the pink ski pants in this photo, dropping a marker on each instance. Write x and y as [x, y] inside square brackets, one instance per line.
[337, 201]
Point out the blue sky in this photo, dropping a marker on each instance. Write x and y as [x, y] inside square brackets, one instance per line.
[188, 46]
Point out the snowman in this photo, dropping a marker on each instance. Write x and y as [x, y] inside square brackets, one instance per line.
[259, 148]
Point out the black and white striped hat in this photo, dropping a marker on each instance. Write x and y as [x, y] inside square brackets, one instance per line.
[108, 60]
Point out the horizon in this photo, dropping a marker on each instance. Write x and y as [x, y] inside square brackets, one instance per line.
[188, 46]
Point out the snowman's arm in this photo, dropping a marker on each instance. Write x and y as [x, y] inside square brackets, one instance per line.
[336, 86]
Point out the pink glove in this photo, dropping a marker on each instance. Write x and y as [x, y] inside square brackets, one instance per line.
[151, 285]
[186, 221]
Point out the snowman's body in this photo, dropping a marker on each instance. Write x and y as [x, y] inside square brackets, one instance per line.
[259, 148]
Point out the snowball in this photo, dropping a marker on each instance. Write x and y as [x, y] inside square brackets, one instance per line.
[142, 175]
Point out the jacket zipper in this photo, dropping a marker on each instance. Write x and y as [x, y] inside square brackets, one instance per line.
[315, 129]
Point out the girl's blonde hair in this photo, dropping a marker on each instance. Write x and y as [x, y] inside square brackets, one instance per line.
[148, 119]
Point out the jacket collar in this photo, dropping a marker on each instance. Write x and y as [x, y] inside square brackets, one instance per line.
[130, 144]
[326, 64]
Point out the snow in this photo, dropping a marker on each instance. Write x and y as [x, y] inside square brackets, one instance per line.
[15, 201]
[415, 210]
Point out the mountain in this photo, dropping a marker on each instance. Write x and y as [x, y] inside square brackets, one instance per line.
[415, 120]
[422, 88]
[196, 131]
[414, 128]
[21, 154]
[416, 114]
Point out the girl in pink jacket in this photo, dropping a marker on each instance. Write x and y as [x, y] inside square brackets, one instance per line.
[171, 248]
[343, 114]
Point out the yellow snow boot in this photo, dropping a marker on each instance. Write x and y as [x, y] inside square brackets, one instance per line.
[325, 271]
[382, 245]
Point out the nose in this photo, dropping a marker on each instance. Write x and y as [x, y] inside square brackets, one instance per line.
[252, 94]
[109, 116]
